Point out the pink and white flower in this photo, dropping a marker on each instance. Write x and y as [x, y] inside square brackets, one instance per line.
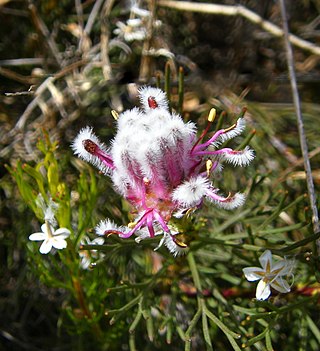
[157, 162]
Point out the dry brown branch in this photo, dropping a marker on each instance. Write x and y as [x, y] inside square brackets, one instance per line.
[58, 99]
[239, 10]
[93, 14]
[68, 69]
[17, 77]
[145, 64]
[23, 61]
[79, 11]
[33, 104]
[283, 149]
[20, 93]
[298, 163]
[302, 136]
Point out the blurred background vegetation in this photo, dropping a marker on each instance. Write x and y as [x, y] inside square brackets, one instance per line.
[64, 65]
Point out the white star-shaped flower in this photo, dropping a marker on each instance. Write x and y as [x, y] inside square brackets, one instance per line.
[51, 238]
[270, 275]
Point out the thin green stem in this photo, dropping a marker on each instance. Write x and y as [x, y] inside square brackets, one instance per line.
[205, 326]
[167, 82]
[194, 271]
[192, 325]
[180, 90]
[221, 325]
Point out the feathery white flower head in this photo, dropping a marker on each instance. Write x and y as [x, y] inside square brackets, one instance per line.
[88, 147]
[237, 158]
[152, 98]
[107, 227]
[174, 247]
[237, 130]
[228, 203]
[270, 275]
[191, 192]
[51, 238]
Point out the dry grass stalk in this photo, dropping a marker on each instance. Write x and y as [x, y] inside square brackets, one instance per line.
[239, 10]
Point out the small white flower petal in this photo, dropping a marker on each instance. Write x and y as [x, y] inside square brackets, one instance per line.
[62, 232]
[134, 22]
[58, 243]
[37, 236]
[279, 268]
[263, 290]
[44, 228]
[45, 247]
[281, 285]
[253, 273]
[161, 242]
[266, 260]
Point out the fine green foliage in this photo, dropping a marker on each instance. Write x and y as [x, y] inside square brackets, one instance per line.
[200, 300]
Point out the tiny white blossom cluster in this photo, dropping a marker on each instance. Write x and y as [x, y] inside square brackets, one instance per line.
[157, 162]
[135, 28]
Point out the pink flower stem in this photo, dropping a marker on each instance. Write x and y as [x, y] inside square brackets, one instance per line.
[215, 197]
[208, 142]
[201, 136]
[217, 152]
[105, 158]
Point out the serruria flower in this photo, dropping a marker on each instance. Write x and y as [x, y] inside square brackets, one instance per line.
[270, 275]
[51, 238]
[157, 162]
